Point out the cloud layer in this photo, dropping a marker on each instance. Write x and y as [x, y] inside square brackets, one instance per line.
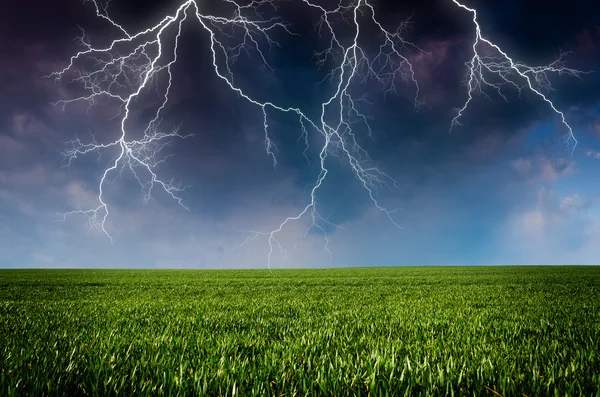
[500, 190]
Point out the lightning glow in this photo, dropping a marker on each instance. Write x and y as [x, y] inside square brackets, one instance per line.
[512, 73]
[131, 65]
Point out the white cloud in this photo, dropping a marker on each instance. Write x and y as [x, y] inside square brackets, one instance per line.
[81, 197]
[542, 168]
[593, 153]
[554, 229]
[573, 201]
[532, 221]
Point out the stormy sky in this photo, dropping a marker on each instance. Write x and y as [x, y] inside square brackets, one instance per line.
[500, 189]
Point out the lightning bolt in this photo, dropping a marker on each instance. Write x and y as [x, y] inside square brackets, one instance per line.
[512, 73]
[131, 65]
[123, 70]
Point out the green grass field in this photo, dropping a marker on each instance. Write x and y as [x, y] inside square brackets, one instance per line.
[381, 332]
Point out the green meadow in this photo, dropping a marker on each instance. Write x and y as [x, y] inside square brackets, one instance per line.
[477, 331]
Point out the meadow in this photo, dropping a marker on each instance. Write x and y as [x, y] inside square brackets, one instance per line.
[477, 331]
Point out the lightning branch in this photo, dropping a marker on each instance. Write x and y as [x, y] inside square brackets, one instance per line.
[130, 67]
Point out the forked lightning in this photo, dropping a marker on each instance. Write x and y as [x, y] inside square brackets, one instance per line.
[512, 73]
[131, 66]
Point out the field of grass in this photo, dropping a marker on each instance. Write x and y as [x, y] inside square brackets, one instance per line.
[381, 332]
